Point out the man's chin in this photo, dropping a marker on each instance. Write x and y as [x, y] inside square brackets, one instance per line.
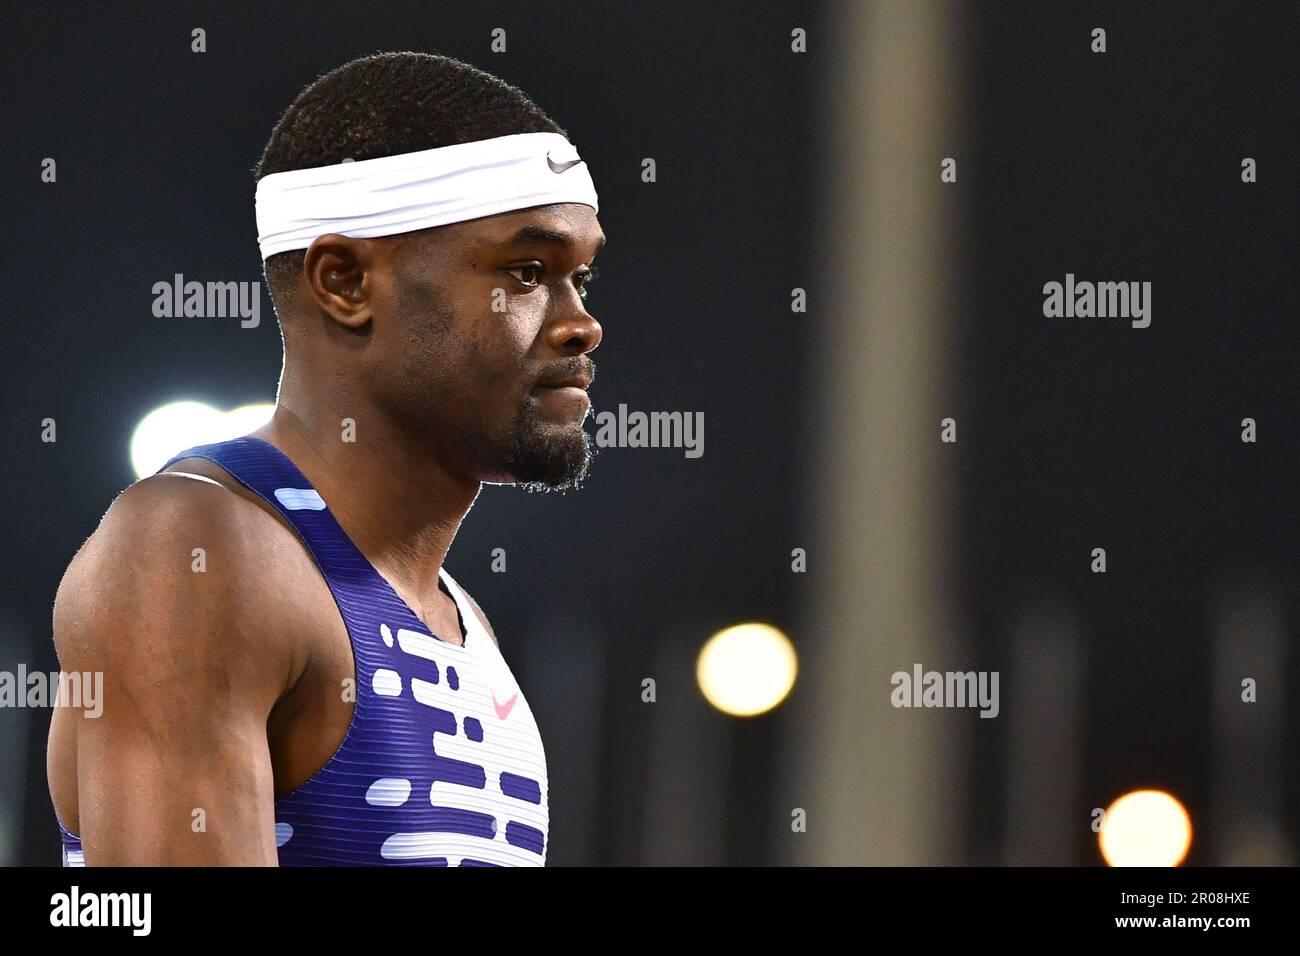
[551, 459]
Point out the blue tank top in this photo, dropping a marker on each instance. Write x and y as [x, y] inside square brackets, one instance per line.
[442, 764]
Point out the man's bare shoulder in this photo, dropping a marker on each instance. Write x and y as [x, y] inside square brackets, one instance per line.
[179, 553]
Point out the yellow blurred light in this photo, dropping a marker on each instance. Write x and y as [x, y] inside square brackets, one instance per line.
[746, 669]
[1145, 828]
[178, 425]
[246, 418]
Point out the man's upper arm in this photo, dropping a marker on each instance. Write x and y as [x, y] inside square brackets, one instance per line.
[162, 602]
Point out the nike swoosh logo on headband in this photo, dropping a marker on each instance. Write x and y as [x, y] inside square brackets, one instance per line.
[560, 167]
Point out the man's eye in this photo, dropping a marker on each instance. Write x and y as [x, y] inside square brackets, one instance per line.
[531, 269]
[530, 274]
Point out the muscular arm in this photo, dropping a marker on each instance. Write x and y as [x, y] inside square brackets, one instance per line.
[176, 770]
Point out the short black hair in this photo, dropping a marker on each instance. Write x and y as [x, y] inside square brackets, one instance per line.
[383, 105]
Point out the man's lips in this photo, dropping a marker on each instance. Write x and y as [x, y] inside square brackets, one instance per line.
[581, 380]
[570, 392]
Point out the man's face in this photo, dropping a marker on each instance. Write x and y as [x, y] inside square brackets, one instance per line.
[492, 335]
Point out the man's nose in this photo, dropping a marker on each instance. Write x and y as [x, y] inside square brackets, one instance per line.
[574, 331]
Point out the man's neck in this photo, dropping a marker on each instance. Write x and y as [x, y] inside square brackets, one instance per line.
[399, 505]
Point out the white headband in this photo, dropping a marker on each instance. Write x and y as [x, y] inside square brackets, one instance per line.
[409, 191]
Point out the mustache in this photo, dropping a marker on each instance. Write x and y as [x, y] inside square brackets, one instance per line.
[566, 368]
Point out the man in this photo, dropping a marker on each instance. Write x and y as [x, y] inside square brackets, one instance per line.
[290, 675]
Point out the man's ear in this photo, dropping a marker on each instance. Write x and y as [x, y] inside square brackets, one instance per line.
[339, 273]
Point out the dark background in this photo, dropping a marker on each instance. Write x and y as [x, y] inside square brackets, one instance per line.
[1075, 433]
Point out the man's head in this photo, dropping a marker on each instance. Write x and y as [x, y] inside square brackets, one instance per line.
[451, 333]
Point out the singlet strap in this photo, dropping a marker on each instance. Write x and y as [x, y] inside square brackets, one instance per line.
[364, 596]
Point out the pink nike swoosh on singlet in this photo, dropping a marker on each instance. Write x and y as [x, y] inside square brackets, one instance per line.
[503, 710]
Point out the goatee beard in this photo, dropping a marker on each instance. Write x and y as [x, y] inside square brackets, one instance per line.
[548, 458]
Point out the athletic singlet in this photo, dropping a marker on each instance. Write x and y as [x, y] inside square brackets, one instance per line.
[442, 764]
